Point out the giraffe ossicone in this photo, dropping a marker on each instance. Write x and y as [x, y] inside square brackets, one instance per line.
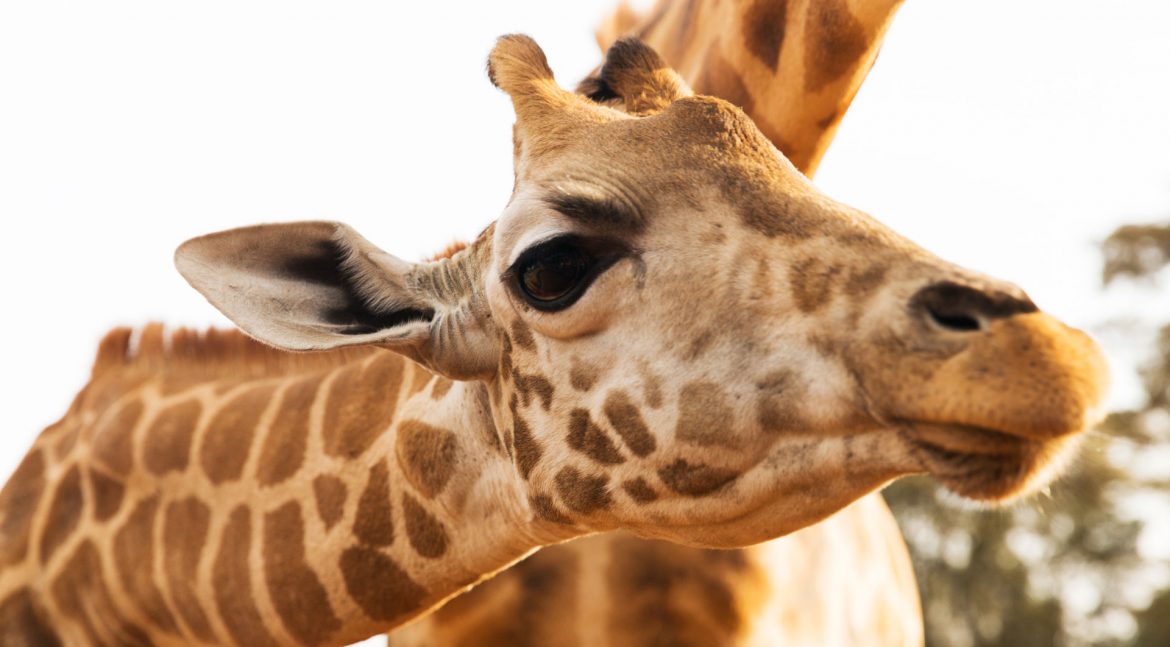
[668, 330]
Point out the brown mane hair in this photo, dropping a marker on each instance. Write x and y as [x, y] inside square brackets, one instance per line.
[211, 353]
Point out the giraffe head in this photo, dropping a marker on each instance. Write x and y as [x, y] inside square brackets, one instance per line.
[678, 333]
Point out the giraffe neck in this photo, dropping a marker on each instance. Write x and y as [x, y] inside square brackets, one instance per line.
[315, 508]
[794, 66]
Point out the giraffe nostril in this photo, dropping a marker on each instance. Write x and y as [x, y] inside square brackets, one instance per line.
[956, 322]
[962, 308]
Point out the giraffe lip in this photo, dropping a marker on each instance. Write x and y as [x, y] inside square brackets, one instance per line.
[983, 464]
[965, 440]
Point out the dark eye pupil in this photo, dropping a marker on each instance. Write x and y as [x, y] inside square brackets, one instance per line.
[554, 275]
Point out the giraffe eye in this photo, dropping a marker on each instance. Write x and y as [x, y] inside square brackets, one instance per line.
[553, 275]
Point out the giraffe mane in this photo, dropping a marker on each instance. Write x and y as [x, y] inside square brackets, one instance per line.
[211, 353]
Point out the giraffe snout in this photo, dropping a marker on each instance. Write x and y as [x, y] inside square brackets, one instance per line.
[959, 307]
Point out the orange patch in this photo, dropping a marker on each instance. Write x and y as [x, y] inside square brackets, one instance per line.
[374, 521]
[133, 560]
[426, 534]
[18, 502]
[231, 579]
[427, 456]
[113, 440]
[587, 438]
[582, 493]
[330, 492]
[627, 421]
[184, 535]
[300, 600]
[167, 444]
[231, 432]
[378, 584]
[283, 451]
[64, 513]
[107, 495]
[361, 405]
[80, 593]
[695, 479]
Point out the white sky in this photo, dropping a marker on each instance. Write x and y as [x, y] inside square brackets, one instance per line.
[1008, 136]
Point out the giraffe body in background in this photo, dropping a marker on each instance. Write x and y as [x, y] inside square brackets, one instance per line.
[794, 66]
[215, 491]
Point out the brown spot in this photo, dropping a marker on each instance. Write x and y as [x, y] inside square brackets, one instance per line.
[587, 438]
[64, 513]
[506, 357]
[829, 119]
[581, 493]
[698, 345]
[18, 502]
[651, 387]
[134, 559]
[442, 386]
[778, 406]
[374, 522]
[184, 535]
[704, 415]
[627, 421]
[378, 585]
[283, 451]
[427, 456]
[528, 449]
[835, 41]
[527, 385]
[167, 444]
[582, 377]
[21, 624]
[425, 532]
[863, 283]
[721, 79]
[113, 439]
[763, 30]
[812, 283]
[673, 595]
[361, 405]
[639, 490]
[81, 594]
[230, 433]
[107, 494]
[330, 494]
[232, 582]
[522, 335]
[695, 479]
[543, 506]
[296, 591]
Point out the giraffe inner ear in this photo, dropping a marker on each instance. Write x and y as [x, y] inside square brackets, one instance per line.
[307, 286]
[636, 78]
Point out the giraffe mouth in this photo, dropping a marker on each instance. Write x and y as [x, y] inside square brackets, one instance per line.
[984, 464]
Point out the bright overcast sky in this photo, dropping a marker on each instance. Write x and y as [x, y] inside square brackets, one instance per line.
[1007, 135]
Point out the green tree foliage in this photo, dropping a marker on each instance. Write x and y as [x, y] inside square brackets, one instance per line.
[1074, 565]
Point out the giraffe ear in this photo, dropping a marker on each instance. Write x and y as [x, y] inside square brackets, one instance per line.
[636, 77]
[307, 286]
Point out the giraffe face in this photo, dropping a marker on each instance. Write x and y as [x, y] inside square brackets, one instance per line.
[693, 331]
[680, 335]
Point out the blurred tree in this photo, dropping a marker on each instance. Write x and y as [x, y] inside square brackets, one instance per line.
[1075, 565]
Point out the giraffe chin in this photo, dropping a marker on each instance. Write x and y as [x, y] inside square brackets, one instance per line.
[986, 465]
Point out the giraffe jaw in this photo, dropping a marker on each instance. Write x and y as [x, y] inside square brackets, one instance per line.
[984, 464]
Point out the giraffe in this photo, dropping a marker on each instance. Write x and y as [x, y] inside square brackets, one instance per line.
[558, 377]
[797, 97]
